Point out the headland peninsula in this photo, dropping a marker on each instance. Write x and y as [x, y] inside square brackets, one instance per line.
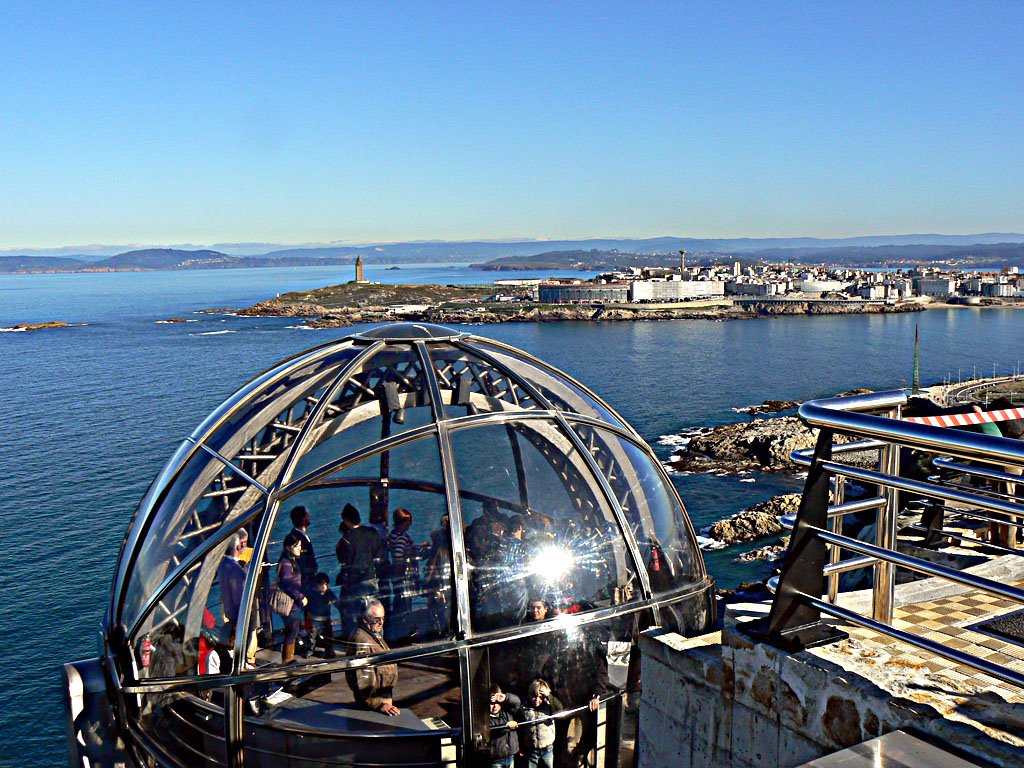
[337, 306]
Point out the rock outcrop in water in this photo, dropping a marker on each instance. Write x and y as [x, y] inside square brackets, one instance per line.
[756, 522]
[38, 326]
[772, 553]
[761, 444]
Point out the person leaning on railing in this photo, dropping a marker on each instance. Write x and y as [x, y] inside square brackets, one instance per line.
[373, 686]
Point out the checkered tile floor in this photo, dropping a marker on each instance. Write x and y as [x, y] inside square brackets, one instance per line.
[947, 621]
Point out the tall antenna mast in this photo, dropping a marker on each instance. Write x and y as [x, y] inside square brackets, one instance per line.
[916, 389]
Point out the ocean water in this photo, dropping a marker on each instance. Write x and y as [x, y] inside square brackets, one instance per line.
[93, 412]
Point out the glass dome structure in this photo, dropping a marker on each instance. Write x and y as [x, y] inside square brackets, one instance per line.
[504, 522]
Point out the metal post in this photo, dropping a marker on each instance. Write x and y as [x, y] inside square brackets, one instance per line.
[835, 524]
[883, 594]
[793, 624]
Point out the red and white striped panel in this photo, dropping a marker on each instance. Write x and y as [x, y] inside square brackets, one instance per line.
[968, 419]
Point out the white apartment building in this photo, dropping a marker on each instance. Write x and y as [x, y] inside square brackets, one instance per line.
[676, 290]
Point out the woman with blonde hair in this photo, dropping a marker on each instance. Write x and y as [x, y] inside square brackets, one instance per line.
[538, 725]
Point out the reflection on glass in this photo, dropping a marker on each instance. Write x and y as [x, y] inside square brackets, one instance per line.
[188, 727]
[386, 395]
[207, 495]
[196, 614]
[386, 519]
[535, 528]
[470, 385]
[655, 515]
[268, 421]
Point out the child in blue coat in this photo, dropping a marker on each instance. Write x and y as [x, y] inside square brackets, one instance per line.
[321, 600]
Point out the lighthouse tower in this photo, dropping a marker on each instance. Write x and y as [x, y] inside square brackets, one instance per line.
[359, 270]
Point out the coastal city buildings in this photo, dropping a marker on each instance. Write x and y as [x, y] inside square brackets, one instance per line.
[646, 285]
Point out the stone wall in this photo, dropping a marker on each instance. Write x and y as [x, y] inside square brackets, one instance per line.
[723, 700]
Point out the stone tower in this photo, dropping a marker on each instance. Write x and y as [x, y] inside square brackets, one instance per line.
[359, 270]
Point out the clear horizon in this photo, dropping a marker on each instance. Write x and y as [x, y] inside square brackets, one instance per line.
[97, 248]
[343, 124]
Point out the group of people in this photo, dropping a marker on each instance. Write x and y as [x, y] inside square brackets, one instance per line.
[513, 557]
[529, 734]
[378, 575]
[373, 564]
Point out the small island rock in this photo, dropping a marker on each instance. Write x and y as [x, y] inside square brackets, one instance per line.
[39, 326]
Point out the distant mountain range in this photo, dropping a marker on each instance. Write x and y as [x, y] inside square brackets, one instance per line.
[998, 248]
[151, 259]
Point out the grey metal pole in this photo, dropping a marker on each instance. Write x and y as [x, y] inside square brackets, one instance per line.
[835, 524]
[884, 592]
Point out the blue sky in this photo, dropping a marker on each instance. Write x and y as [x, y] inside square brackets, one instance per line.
[309, 122]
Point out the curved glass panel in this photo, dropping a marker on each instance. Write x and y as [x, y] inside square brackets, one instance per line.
[196, 612]
[689, 615]
[537, 528]
[573, 660]
[387, 395]
[560, 391]
[470, 385]
[205, 496]
[341, 716]
[377, 531]
[655, 515]
[188, 727]
[268, 423]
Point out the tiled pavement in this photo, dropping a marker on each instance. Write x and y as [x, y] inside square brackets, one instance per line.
[946, 621]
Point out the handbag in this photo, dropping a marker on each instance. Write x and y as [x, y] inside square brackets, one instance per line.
[280, 601]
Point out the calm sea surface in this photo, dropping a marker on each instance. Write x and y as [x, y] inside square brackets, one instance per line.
[93, 412]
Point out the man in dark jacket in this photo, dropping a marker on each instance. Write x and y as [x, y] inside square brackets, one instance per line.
[307, 560]
[231, 576]
[373, 686]
[357, 551]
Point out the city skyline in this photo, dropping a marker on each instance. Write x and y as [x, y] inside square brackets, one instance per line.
[338, 124]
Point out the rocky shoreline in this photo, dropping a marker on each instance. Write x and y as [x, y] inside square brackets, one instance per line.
[763, 445]
[343, 305]
[757, 522]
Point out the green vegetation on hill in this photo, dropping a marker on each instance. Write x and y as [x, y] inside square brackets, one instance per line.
[349, 295]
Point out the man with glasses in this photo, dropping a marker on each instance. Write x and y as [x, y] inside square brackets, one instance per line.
[373, 686]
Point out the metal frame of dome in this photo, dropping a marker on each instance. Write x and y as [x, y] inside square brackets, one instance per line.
[224, 438]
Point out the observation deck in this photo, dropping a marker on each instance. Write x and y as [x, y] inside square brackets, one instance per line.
[931, 516]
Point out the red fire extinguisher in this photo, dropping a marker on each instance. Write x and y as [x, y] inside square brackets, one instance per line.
[147, 651]
[655, 559]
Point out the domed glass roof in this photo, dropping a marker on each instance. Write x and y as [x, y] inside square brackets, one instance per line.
[509, 506]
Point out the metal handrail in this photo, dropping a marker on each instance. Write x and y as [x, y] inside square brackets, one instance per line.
[795, 621]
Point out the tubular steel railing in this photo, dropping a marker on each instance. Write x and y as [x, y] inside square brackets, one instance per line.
[875, 434]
